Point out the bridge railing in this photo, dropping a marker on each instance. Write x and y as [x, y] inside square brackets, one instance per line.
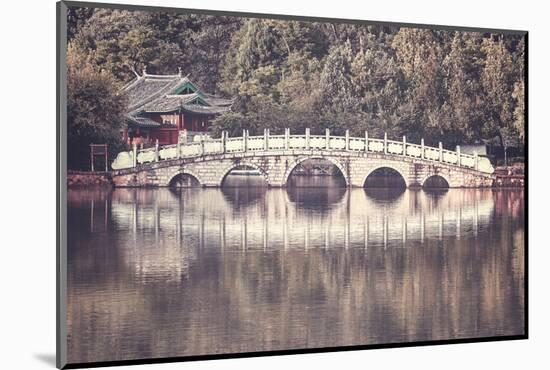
[203, 145]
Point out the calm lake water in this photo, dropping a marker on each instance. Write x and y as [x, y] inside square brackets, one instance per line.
[161, 272]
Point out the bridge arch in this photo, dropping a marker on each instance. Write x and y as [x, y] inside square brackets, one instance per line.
[300, 160]
[231, 167]
[180, 172]
[440, 181]
[390, 166]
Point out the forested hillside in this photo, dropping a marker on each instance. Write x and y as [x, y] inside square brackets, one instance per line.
[445, 86]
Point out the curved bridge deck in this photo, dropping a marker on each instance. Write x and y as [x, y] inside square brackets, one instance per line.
[276, 156]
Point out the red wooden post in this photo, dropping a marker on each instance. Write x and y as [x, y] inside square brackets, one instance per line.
[92, 156]
[98, 150]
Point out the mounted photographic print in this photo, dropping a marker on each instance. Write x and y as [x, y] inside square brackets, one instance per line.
[235, 184]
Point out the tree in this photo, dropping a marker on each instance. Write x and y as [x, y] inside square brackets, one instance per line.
[465, 97]
[125, 42]
[519, 111]
[231, 122]
[255, 45]
[100, 39]
[497, 81]
[379, 84]
[76, 18]
[420, 57]
[336, 88]
[307, 38]
[205, 49]
[95, 111]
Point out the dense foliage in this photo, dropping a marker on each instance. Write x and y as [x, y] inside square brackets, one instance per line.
[445, 86]
[95, 110]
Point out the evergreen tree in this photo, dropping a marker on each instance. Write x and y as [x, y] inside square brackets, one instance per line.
[420, 58]
[519, 111]
[336, 88]
[464, 92]
[498, 83]
[76, 18]
[378, 82]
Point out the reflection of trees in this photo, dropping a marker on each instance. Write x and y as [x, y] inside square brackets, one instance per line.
[319, 198]
[316, 181]
[436, 183]
[385, 177]
[90, 224]
[384, 194]
[183, 180]
[241, 197]
[509, 202]
[185, 274]
[436, 193]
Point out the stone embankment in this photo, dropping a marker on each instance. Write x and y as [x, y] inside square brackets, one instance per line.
[76, 179]
[509, 177]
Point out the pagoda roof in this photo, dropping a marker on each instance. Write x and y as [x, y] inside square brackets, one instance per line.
[142, 122]
[201, 109]
[167, 93]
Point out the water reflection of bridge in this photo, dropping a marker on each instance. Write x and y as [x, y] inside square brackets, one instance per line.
[169, 229]
[262, 219]
[176, 265]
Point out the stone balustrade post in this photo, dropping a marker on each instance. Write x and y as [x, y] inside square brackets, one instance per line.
[366, 141]
[422, 148]
[327, 139]
[404, 145]
[440, 151]
[266, 138]
[287, 138]
[307, 138]
[156, 150]
[202, 144]
[185, 137]
[458, 159]
[182, 140]
[347, 140]
[134, 154]
[385, 143]
[224, 141]
[244, 141]
[475, 160]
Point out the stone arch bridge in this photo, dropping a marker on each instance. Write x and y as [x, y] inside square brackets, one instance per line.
[276, 156]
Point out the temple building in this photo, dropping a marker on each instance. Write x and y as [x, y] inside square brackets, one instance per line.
[160, 106]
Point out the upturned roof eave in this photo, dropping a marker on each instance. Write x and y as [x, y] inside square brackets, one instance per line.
[155, 101]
